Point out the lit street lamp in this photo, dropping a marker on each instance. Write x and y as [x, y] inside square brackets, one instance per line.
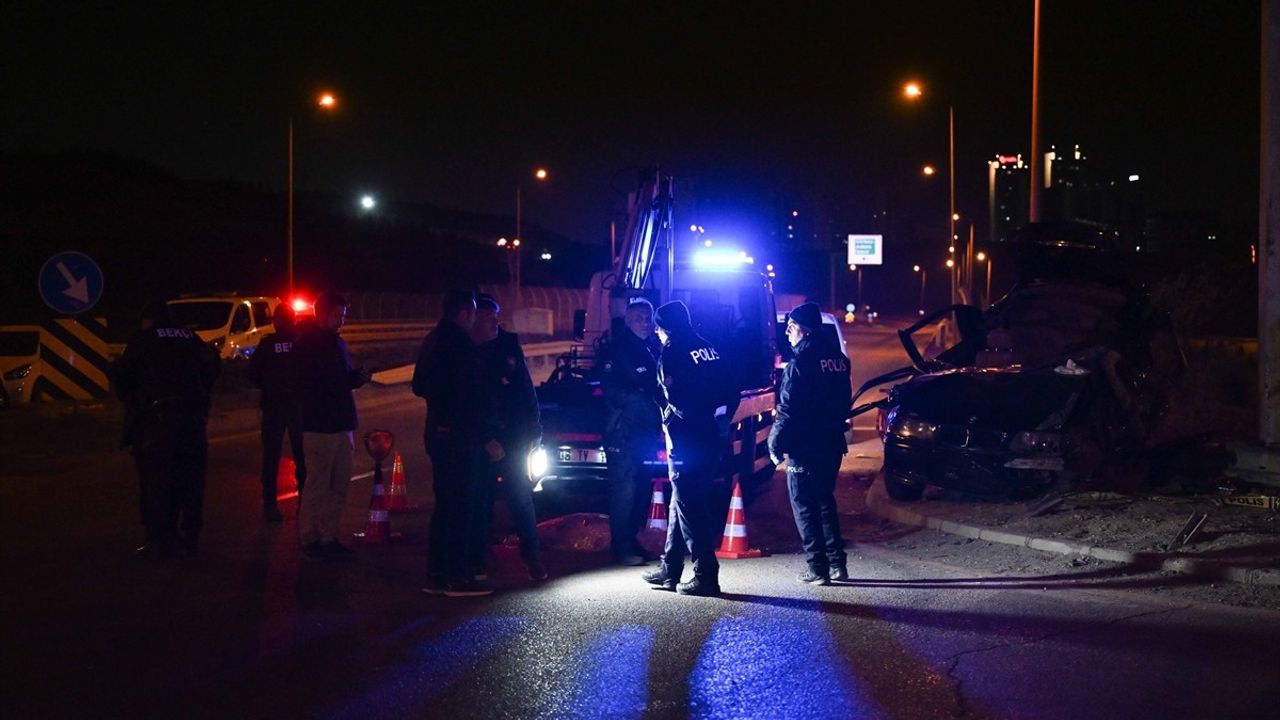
[367, 202]
[924, 277]
[913, 92]
[539, 174]
[329, 102]
[983, 257]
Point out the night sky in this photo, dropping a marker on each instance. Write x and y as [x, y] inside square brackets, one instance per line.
[756, 106]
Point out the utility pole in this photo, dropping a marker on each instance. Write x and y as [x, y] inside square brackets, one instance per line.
[1269, 231]
[1034, 209]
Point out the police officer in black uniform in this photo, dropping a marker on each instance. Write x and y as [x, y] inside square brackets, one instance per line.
[165, 379]
[446, 377]
[813, 404]
[511, 428]
[633, 426]
[271, 369]
[700, 398]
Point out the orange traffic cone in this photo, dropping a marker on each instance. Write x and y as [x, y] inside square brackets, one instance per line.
[734, 546]
[658, 508]
[378, 529]
[398, 497]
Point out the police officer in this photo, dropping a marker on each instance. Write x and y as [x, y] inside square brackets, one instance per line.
[633, 424]
[813, 404]
[165, 379]
[446, 377]
[700, 398]
[271, 370]
[511, 428]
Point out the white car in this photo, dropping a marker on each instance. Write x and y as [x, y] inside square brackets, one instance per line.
[231, 324]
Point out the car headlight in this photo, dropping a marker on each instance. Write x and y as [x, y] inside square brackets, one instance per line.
[19, 372]
[539, 463]
[906, 426]
[1041, 443]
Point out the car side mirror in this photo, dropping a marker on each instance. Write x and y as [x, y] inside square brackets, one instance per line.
[579, 324]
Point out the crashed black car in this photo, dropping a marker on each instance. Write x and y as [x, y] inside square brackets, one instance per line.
[1060, 382]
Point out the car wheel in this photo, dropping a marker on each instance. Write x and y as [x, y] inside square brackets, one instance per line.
[901, 489]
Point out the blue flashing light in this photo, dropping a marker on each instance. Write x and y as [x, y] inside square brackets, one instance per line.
[721, 259]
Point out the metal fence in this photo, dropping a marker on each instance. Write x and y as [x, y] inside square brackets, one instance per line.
[425, 307]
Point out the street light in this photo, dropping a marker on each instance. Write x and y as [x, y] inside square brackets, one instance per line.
[928, 170]
[983, 257]
[326, 101]
[367, 202]
[913, 92]
[924, 277]
[539, 174]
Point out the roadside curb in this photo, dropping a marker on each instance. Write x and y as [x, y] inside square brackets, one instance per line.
[878, 502]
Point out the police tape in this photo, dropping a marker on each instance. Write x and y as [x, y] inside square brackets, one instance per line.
[1258, 502]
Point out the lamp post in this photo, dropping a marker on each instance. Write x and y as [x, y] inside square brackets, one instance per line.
[325, 101]
[984, 258]
[539, 174]
[912, 91]
[924, 277]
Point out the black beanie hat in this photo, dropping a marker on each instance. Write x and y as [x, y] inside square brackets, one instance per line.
[808, 316]
[672, 316]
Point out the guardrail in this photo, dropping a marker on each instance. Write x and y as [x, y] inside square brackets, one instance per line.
[540, 356]
[364, 332]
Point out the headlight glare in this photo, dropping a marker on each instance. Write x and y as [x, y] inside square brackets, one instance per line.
[539, 463]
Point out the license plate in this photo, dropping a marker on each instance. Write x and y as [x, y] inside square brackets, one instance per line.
[580, 455]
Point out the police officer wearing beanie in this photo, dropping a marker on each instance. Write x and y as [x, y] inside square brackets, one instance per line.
[165, 378]
[699, 396]
[272, 371]
[813, 404]
[633, 426]
[447, 377]
[511, 427]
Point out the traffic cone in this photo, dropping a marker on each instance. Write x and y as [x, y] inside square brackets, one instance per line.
[734, 546]
[378, 528]
[658, 508]
[398, 496]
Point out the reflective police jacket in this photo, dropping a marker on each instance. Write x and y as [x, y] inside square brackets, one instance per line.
[271, 370]
[446, 377]
[165, 376]
[813, 401]
[698, 387]
[508, 398]
[633, 400]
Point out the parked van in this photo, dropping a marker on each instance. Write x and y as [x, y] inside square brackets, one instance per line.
[231, 324]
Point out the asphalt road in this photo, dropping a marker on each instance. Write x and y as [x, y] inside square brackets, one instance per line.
[246, 629]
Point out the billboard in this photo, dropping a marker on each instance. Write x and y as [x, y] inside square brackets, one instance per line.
[866, 249]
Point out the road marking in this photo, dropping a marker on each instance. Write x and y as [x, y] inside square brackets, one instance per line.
[294, 494]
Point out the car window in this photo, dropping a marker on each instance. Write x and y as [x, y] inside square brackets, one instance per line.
[201, 315]
[240, 323]
[261, 313]
[19, 343]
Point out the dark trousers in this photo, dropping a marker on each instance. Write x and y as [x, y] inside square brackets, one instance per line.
[811, 483]
[455, 475]
[275, 423]
[517, 491]
[689, 524]
[172, 460]
[630, 488]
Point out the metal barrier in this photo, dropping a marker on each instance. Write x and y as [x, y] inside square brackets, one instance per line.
[540, 356]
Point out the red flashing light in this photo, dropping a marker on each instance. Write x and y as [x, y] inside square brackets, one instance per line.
[300, 306]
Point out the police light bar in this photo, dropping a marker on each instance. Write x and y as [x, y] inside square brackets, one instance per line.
[721, 259]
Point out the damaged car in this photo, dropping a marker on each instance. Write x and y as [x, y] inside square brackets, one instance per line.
[1058, 384]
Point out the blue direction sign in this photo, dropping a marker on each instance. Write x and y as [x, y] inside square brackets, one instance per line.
[70, 282]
